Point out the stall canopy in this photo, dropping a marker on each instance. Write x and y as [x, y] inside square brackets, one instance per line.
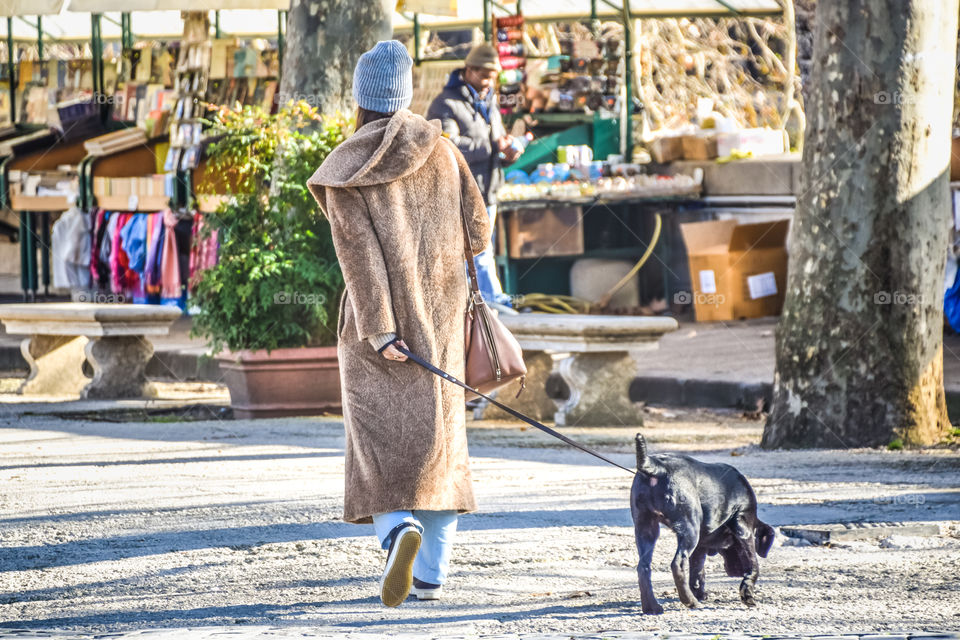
[13, 8]
[470, 12]
[161, 18]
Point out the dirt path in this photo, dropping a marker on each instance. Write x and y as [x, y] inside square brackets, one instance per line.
[108, 526]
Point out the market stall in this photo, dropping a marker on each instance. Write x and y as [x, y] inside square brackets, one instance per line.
[596, 194]
[108, 107]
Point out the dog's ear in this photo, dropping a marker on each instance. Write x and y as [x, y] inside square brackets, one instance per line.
[764, 537]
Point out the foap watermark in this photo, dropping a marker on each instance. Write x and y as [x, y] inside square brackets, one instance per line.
[907, 499]
[898, 297]
[283, 97]
[699, 299]
[99, 297]
[893, 97]
[298, 297]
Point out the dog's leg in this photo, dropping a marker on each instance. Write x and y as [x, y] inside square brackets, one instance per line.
[697, 578]
[647, 530]
[688, 534]
[751, 569]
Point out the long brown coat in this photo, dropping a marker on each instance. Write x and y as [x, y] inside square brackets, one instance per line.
[393, 192]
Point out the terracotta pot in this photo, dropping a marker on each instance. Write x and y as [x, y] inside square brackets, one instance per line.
[286, 382]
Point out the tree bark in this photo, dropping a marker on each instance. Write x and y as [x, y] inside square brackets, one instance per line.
[323, 42]
[860, 342]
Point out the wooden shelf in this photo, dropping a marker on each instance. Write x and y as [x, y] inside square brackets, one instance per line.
[122, 203]
[38, 203]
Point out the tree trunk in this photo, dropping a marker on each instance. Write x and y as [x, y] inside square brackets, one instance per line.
[860, 343]
[323, 42]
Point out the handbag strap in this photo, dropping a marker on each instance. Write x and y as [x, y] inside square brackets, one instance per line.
[468, 246]
[446, 376]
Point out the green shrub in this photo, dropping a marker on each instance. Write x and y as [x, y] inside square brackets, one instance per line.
[277, 281]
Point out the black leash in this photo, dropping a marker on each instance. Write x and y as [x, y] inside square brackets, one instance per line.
[443, 374]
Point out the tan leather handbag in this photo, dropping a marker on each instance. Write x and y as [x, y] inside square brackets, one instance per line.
[493, 356]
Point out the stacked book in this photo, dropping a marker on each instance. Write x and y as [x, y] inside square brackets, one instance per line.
[151, 185]
[116, 141]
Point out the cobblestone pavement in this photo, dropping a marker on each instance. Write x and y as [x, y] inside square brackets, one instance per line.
[224, 528]
[256, 633]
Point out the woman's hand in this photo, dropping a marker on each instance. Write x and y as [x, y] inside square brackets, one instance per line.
[391, 352]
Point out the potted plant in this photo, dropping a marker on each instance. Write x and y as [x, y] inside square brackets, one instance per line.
[269, 306]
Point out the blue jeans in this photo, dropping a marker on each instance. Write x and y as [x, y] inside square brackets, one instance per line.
[437, 529]
[487, 279]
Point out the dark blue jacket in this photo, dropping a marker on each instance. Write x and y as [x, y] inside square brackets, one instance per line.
[477, 139]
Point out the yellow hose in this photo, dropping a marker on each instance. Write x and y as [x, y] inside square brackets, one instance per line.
[549, 303]
[605, 300]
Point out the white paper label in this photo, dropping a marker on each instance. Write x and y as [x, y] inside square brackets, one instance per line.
[708, 281]
[133, 201]
[762, 285]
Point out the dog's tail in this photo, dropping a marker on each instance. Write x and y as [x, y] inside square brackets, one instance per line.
[644, 463]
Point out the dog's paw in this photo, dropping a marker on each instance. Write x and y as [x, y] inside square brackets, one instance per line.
[701, 594]
[655, 610]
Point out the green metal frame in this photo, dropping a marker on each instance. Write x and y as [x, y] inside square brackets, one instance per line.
[10, 71]
[96, 53]
[281, 39]
[416, 39]
[487, 32]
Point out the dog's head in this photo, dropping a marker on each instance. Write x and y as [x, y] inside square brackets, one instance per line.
[764, 534]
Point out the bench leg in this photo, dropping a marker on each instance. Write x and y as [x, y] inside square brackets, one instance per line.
[119, 364]
[599, 384]
[56, 365]
[534, 401]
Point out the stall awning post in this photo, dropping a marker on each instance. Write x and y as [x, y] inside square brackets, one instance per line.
[96, 53]
[486, 21]
[216, 24]
[10, 71]
[628, 81]
[281, 40]
[416, 39]
[126, 30]
[40, 38]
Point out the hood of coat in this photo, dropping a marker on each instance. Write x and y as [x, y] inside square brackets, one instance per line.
[380, 152]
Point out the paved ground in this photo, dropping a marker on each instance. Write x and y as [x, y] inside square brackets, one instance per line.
[263, 632]
[165, 526]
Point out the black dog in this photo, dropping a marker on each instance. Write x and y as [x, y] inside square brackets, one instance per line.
[711, 508]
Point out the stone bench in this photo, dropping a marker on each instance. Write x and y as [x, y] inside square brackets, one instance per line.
[112, 338]
[595, 357]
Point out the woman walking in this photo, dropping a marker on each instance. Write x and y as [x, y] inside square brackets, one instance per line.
[393, 193]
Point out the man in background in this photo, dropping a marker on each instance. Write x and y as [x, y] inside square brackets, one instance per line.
[468, 109]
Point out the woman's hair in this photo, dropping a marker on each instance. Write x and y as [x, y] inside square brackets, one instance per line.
[365, 116]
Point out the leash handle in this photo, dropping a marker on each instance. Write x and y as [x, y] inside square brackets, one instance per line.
[556, 434]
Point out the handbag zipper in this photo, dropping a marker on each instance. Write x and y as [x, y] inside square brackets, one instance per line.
[494, 357]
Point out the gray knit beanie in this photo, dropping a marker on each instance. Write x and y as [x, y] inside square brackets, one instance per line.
[383, 80]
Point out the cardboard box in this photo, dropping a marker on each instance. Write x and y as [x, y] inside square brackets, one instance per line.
[737, 270]
[547, 231]
[761, 142]
[667, 149]
[699, 147]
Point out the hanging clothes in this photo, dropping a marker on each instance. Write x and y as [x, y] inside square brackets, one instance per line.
[100, 265]
[133, 241]
[157, 232]
[170, 288]
[203, 249]
[122, 280]
[71, 239]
